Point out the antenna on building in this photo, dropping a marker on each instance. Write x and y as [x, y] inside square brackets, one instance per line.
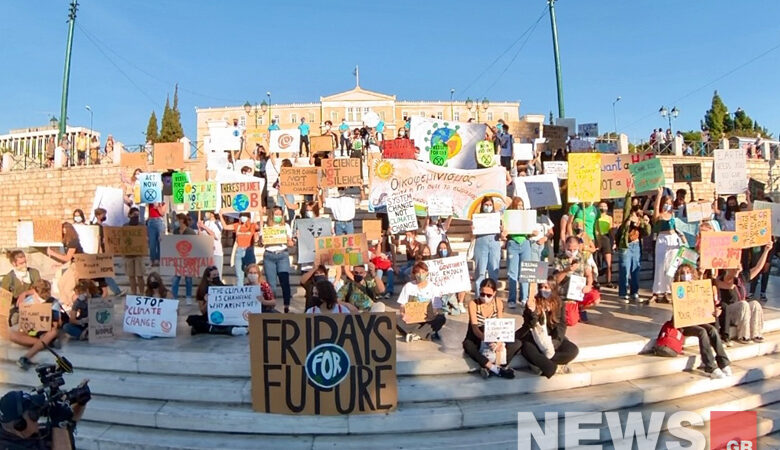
[356, 73]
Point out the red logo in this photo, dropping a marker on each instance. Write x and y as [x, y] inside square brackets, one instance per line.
[733, 430]
[165, 326]
[184, 248]
[285, 140]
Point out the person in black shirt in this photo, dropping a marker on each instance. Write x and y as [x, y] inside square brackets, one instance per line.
[19, 429]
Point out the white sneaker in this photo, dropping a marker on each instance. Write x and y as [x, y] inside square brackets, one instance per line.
[412, 337]
[727, 371]
[189, 300]
[239, 331]
[717, 374]
[462, 308]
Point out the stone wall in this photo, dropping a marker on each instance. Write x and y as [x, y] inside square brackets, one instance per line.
[757, 169]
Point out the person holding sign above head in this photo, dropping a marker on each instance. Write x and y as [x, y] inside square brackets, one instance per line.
[246, 233]
[487, 249]
[518, 249]
[35, 339]
[276, 258]
[254, 277]
[213, 228]
[491, 356]
[328, 301]
[428, 324]
[629, 244]
[666, 246]
[363, 288]
[199, 323]
[436, 231]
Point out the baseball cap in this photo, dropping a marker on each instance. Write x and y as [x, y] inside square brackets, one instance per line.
[13, 404]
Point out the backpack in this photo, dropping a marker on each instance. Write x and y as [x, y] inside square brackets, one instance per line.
[669, 342]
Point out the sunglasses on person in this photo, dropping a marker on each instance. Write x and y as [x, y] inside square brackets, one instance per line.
[486, 295]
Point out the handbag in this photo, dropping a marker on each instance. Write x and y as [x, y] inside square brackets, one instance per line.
[543, 339]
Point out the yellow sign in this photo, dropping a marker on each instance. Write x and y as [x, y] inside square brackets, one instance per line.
[584, 177]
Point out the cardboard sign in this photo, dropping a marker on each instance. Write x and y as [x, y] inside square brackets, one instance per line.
[692, 303]
[687, 173]
[93, 266]
[150, 188]
[201, 196]
[372, 229]
[522, 151]
[754, 186]
[178, 181]
[730, 171]
[416, 312]
[775, 214]
[500, 330]
[556, 136]
[6, 298]
[576, 284]
[299, 180]
[341, 172]
[588, 130]
[519, 221]
[648, 175]
[754, 228]
[401, 214]
[349, 249]
[232, 305]
[558, 168]
[616, 184]
[449, 275]
[719, 250]
[101, 319]
[486, 154]
[533, 272]
[240, 196]
[134, 160]
[34, 317]
[47, 230]
[186, 255]
[324, 143]
[275, 235]
[346, 367]
[398, 149]
[584, 177]
[486, 223]
[150, 316]
[285, 141]
[307, 230]
[168, 155]
[698, 211]
[538, 191]
[126, 241]
[684, 256]
[439, 207]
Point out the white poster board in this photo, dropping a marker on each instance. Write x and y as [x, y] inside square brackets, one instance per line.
[538, 191]
[730, 171]
[440, 206]
[576, 284]
[486, 223]
[500, 330]
[89, 237]
[400, 213]
[522, 152]
[449, 275]
[25, 239]
[519, 221]
[150, 316]
[113, 201]
[285, 141]
[231, 305]
[558, 168]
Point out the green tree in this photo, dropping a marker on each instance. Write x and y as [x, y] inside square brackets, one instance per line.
[151, 129]
[171, 130]
[178, 130]
[715, 117]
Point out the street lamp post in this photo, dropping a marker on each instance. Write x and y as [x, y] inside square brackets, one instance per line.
[270, 118]
[452, 109]
[484, 105]
[614, 115]
[669, 115]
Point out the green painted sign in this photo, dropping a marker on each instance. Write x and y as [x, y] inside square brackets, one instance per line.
[438, 153]
[178, 180]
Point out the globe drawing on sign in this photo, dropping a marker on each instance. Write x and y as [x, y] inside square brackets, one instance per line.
[680, 292]
[217, 318]
[103, 316]
[447, 136]
[285, 140]
[241, 202]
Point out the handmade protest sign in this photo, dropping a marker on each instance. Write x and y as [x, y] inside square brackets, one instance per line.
[330, 364]
[298, 180]
[126, 241]
[689, 230]
[522, 151]
[730, 171]
[648, 175]
[538, 191]
[240, 196]
[201, 196]
[113, 201]
[101, 319]
[47, 230]
[519, 221]
[415, 311]
[439, 207]
[186, 255]
[134, 160]
[150, 187]
[400, 213]
[24, 236]
[584, 177]
[616, 184]
[349, 249]
[486, 223]
[89, 237]
[438, 153]
[576, 284]
[719, 250]
[178, 180]
[558, 168]
[274, 235]
[524, 130]
[533, 272]
[500, 330]
[698, 211]
[754, 228]
[372, 228]
[93, 266]
[449, 275]
[556, 136]
[324, 143]
[168, 155]
[398, 149]
[341, 172]
[486, 154]
[580, 145]
[588, 129]
[692, 303]
[232, 305]
[684, 255]
[34, 317]
[285, 141]
[307, 231]
[447, 143]
[755, 186]
[150, 316]
[687, 173]
[774, 208]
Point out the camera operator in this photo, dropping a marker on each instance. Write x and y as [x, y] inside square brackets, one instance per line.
[19, 414]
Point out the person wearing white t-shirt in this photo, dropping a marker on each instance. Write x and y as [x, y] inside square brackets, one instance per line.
[212, 228]
[420, 290]
[276, 257]
[436, 231]
[342, 209]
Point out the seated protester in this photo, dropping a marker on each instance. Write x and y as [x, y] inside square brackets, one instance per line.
[436, 231]
[155, 286]
[451, 303]
[76, 328]
[254, 277]
[309, 280]
[423, 254]
[573, 262]
[328, 300]
[543, 334]
[182, 227]
[362, 288]
[420, 290]
[717, 366]
[36, 340]
[491, 356]
[746, 315]
[383, 266]
[199, 323]
[18, 281]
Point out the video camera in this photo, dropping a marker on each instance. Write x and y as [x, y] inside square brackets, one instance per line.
[48, 398]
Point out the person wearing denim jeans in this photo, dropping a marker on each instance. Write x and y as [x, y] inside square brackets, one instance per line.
[629, 270]
[182, 228]
[629, 243]
[518, 249]
[342, 227]
[342, 208]
[246, 234]
[155, 229]
[487, 251]
[276, 258]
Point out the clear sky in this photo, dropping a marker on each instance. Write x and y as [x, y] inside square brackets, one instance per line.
[127, 55]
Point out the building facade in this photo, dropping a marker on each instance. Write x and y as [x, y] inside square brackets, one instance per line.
[352, 105]
[31, 142]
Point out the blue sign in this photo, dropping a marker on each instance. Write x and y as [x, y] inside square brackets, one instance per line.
[327, 365]
[151, 187]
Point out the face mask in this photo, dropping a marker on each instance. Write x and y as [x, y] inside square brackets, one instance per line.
[244, 219]
[134, 220]
[547, 153]
[572, 254]
[545, 293]
[253, 277]
[154, 284]
[277, 219]
[83, 297]
[327, 127]
[309, 214]
[434, 219]
[667, 207]
[603, 211]
[487, 209]
[443, 252]
[318, 278]
[77, 219]
[576, 230]
[213, 280]
[485, 298]
[358, 278]
[687, 276]
[181, 224]
[421, 277]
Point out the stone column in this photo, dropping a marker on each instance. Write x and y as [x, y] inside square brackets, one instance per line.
[623, 144]
[677, 145]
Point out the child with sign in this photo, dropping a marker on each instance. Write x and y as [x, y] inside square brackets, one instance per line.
[419, 290]
[36, 337]
[491, 356]
[76, 328]
[199, 323]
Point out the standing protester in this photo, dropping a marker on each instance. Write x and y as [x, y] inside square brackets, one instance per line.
[246, 234]
[629, 243]
[518, 249]
[342, 209]
[276, 258]
[105, 283]
[182, 228]
[155, 229]
[436, 231]
[487, 250]
[666, 246]
[344, 143]
[605, 241]
[134, 265]
[213, 228]
[304, 129]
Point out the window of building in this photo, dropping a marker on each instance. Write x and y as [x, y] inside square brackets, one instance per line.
[293, 118]
[242, 121]
[276, 118]
[422, 113]
[334, 116]
[382, 116]
[311, 117]
[358, 115]
[440, 115]
[490, 116]
[404, 114]
[350, 114]
[506, 117]
[261, 119]
[456, 116]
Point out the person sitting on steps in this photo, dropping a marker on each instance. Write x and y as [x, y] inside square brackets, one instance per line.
[491, 356]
